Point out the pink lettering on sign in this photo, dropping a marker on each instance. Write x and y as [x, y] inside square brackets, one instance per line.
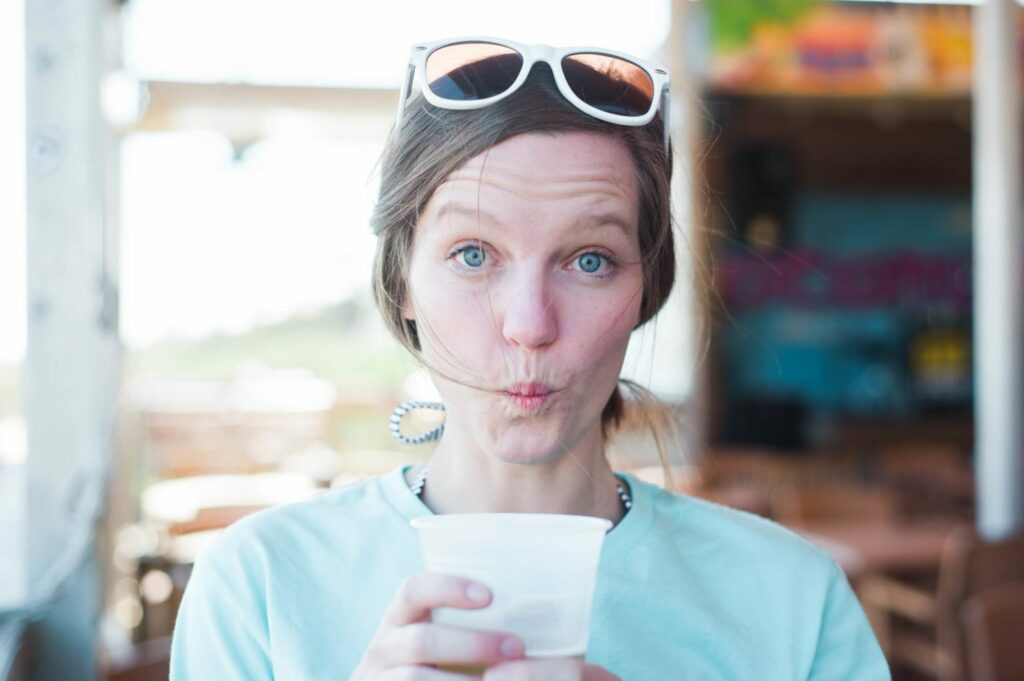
[815, 280]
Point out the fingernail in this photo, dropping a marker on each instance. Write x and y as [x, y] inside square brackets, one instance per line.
[477, 592]
[512, 647]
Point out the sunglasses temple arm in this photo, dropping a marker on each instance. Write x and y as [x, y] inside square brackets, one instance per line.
[666, 119]
[403, 95]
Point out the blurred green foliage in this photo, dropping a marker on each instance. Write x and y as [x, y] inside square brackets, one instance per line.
[342, 344]
[331, 344]
[354, 355]
[732, 21]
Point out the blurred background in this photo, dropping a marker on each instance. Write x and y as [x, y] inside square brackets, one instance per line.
[187, 333]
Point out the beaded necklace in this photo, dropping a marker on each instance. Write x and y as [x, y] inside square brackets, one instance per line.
[421, 480]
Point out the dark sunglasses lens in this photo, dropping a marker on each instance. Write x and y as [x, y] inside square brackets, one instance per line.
[470, 71]
[611, 84]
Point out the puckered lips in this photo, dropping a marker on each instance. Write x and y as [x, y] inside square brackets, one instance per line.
[529, 397]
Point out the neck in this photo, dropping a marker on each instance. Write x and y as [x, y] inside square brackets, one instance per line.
[576, 482]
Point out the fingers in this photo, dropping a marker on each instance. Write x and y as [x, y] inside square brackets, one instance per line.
[408, 643]
[424, 591]
[430, 643]
[422, 674]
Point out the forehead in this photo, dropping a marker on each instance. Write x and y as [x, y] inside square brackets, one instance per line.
[545, 171]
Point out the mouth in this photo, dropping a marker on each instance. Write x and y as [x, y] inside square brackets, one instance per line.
[529, 397]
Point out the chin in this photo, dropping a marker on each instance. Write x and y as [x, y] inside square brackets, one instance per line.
[519, 447]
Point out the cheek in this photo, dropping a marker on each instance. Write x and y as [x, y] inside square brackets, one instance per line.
[454, 324]
[594, 355]
[598, 331]
[454, 334]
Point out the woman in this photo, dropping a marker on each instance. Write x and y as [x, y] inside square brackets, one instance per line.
[524, 233]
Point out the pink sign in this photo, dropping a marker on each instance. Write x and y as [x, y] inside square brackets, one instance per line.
[812, 279]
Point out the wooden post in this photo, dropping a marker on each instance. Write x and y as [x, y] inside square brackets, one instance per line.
[70, 373]
[998, 282]
[688, 57]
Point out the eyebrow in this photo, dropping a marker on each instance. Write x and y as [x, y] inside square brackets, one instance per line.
[600, 219]
[466, 211]
[588, 221]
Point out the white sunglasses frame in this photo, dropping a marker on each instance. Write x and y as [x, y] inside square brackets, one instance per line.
[416, 74]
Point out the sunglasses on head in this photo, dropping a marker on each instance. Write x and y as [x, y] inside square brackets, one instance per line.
[470, 73]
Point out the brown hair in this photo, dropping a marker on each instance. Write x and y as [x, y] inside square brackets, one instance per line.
[432, 143]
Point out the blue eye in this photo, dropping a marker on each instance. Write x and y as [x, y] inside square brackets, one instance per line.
[590, 262]
[473, 256]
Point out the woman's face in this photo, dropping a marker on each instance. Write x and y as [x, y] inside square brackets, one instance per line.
[525, 283]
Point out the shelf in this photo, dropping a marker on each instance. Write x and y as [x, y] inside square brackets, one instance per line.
[887, 109]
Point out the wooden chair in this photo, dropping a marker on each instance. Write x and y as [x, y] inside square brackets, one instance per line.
[935, 641]
[147, 661]
[739, 477]
[931, 477]
[994, 623]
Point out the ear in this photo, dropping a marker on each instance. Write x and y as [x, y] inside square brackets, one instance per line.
[407, 311]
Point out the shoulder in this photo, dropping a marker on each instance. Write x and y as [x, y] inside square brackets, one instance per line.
[778, 600]
[275, 535]
[731, 534]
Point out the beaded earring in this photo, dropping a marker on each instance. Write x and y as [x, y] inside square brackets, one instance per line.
[404, 408]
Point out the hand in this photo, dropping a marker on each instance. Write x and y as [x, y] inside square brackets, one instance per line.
[556, 669]
[408, 644]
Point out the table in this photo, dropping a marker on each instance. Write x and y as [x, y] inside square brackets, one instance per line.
[871, 546]
[204, 502]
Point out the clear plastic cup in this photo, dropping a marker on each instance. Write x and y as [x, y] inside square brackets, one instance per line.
[541, 569]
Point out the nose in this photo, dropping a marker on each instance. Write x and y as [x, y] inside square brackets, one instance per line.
[531, 315]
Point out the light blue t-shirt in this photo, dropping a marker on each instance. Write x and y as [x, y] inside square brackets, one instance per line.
[686, 589]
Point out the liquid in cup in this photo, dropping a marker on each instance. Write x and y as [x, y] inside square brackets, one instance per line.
[541, 569]
[476, 670]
